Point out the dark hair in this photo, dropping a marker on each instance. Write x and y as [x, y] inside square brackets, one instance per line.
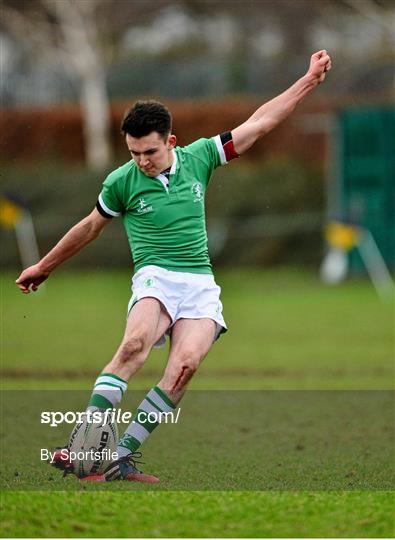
[145, 117]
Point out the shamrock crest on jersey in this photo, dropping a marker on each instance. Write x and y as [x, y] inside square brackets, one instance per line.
[197, 191]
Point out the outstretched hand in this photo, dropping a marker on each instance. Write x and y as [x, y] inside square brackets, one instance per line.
[320, 63]
[31, 277]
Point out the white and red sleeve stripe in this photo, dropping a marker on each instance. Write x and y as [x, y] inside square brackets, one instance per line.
[225, 147]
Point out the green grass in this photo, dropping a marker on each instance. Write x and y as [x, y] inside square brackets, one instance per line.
[286, 330]
[191, 514]
[322, 468]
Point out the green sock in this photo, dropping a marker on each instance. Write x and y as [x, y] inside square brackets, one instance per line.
[107, 392]
[155, 402]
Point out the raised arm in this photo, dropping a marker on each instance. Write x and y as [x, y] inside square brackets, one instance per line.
[75, 239]
[270, 114]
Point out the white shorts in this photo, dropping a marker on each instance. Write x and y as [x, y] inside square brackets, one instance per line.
[183, 294]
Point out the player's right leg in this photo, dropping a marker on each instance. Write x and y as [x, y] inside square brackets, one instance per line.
[148, 320]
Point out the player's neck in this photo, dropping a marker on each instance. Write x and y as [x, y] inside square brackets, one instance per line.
[170, 161]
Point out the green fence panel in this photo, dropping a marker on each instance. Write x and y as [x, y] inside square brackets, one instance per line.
[367, 176]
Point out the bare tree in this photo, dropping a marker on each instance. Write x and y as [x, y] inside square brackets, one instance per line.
[81, 36]
[80, 45]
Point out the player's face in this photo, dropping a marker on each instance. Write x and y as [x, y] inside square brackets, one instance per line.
[152, 153]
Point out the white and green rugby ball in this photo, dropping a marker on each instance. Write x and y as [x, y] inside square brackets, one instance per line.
[93, 445]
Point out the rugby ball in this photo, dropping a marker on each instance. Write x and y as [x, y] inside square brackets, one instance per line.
[93, 443]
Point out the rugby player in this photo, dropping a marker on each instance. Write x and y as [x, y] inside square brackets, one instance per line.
[159, 194]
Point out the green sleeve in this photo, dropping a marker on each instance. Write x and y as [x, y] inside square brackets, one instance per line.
[207, 152]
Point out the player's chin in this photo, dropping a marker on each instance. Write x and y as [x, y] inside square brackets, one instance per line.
[151, 172]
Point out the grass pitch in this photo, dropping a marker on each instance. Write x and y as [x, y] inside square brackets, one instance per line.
[293, 334]
[199, 514]
[286, 330]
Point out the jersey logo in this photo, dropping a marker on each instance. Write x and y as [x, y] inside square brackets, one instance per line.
[197, 192]
[143, 207]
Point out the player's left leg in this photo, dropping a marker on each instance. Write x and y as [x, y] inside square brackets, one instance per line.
[191, 339]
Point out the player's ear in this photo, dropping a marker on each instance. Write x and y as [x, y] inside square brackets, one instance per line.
[172, 141]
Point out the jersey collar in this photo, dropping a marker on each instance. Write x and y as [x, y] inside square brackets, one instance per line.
[162, 178]
[174, 164]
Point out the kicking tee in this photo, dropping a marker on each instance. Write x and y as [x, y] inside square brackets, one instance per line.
[164, 218]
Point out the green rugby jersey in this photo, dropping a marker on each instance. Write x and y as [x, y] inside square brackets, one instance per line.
[165, 221]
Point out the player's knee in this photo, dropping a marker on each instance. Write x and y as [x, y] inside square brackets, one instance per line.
[190, 360]
[131, 350]
[189, 363]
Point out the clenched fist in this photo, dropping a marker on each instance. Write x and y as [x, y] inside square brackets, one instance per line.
[320, 63]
